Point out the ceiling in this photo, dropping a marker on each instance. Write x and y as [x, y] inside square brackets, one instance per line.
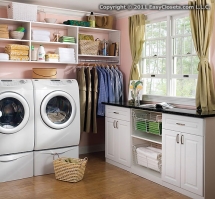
[89, 5]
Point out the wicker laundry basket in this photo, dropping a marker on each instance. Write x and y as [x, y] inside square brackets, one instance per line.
[69, 169]
[88, 47]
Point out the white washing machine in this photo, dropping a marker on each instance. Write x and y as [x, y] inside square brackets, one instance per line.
[57, 113]
[16, 129]
[16, 116]
[57, 122]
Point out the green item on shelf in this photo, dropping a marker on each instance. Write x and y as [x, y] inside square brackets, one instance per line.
[67, 39]
[155, 127]
[20, 29]
[77, 23]
[141, 126]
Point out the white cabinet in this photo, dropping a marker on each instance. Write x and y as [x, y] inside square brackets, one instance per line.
[117, 138]
[182, 158]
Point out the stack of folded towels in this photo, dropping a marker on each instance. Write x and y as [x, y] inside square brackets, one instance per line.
[150, 157]
[4, 33]
[17, 52]
[66, 55]
[50, 57]
[4, 56]
[40, 35]
[67, 39]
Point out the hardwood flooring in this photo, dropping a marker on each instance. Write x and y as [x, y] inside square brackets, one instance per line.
[101, 181]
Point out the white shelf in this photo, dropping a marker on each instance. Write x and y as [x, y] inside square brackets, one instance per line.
[148, 137]
[37, 62]
[98, 56]
[21, 40]
[100, 30]
[53, 43]
[50, 25]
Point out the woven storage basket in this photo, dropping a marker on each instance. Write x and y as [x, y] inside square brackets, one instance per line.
[22, 11]
[88, 47]
[69, 171]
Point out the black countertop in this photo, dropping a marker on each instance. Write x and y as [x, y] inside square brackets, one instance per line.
[175, 111]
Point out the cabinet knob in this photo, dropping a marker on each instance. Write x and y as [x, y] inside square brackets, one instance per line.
[114, 124]
[117, 124]
[182, 139]
[116, 112]
[177, 138]
[180, 124]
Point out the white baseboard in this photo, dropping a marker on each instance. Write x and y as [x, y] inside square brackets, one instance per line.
[91, 149]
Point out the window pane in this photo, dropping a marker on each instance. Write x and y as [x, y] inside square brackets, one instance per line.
[195, 62]
[151, 66]
[179, 26]
[186, 65]
[178, 46]
[187, 45]
[161, 66]
[177, 67]
[147, 48]
[156, 30]
[154, 48]
[148, 34]
[185, 87]
[155, 86]
[163, 29]
[162, 48]
[187, 29]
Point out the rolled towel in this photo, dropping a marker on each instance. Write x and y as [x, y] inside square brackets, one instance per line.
[149, 153]
[40, 38]
[40, 32]
[16, 47]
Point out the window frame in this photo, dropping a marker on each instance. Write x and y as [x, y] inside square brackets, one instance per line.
[168, 16]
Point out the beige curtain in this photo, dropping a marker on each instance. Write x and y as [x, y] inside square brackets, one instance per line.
[201, 26]
[136, 36]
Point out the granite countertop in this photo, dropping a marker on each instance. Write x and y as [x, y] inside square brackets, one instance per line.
[175, 111]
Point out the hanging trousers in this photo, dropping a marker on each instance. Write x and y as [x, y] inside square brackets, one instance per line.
[88, 112]
[94, 78]
[82, 93]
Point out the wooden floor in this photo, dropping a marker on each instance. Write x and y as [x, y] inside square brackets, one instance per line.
[101, 181]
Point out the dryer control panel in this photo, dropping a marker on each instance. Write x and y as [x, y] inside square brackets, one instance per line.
[12, 82]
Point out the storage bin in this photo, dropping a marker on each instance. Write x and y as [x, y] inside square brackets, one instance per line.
[88, 47]
[43, 160]
[44, 73]
[69, 169]
[21, 11]
[16, 166]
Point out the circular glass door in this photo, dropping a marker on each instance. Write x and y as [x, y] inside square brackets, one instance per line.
[14, 112]
[58, 109]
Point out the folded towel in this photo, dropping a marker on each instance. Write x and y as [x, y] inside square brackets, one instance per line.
[2, 31]
[40, 32]
[4, 26]
[156, 168]
[4, 56]
[16, 47]
[154, 149]
[4, 35]
[16, 52]
[40, 38]
[19, 58]
[65, 50]
[149, 153]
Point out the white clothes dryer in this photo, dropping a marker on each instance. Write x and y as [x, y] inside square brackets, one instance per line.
[16, 116]
[57, 113]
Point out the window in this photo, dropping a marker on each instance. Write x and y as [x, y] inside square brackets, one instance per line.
[169, 62]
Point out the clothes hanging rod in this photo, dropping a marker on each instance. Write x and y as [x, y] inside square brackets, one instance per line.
[90, 60]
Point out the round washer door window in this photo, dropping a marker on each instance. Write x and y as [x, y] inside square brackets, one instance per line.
[14, 112]
[58, 109]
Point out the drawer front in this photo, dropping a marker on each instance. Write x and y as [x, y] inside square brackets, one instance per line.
[118, 112]
[183, 124]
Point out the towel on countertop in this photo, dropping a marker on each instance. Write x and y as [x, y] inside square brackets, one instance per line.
[40, 38]
[40, 32]
[4, 56]
[17, 52]
[16, 47]
[149, 153]
[19, 58]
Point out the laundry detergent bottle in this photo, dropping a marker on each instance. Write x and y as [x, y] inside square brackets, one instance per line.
[41, 53]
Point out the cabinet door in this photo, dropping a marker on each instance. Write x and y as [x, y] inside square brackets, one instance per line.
[123, 142]
[110, 139]
[171, 157]
[192, 163]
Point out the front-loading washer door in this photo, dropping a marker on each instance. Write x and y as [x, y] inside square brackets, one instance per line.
[14, 112]
[58, 109]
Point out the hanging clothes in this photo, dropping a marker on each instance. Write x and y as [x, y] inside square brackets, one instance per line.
[82, 93]
[121, 92]
[88, 100]
[111, 85]
[94, 78]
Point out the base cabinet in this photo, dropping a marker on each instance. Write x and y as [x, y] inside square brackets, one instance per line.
[182, 160]
[117, 141]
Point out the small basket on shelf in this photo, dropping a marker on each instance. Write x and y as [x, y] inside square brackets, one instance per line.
[149, 122]
[69, 169]
[88, 47]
